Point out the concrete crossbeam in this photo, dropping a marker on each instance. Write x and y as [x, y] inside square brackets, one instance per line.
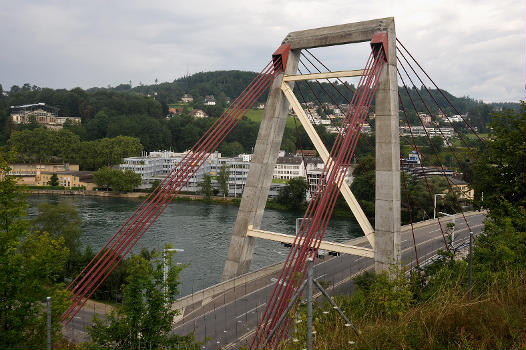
[325, 245]
[337, 35]
[326, 75]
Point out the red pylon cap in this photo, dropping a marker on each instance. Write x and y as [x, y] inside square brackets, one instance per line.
[283, 53]
[379, 42]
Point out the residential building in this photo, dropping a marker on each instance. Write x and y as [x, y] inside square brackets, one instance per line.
[462, 189]
[454, 119]
[421, 131]
[29, 174]
[40, 113]
[198, 113]
[238, 171]
[210, 100]
[187, 98]
[425, 119]
[289, 167]
[157, 165]
[174, 111]
[68, 179]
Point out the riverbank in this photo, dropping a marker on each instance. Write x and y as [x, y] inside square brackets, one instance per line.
[143, 195]
[271, 204]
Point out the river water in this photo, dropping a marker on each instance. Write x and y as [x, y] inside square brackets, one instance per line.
[202, 230]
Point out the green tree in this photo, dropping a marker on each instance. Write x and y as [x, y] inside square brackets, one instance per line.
[206, 186]
[293, 194]
[118, 180]
[103, 177]
[363, 185]
[154, 185]
[144, 319]
[53, 180]
[437, 144]
[499, 171]
[31, 264]
[61, 220]
[222, 179]
[126, 180]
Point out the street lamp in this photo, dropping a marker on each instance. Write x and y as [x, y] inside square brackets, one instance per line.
[165, 262]
[298, 226]
[435, 204]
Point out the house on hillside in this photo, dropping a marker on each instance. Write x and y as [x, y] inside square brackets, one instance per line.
[187, 98]
[173, 111]
[425, 119]
[462, 188]
[41, 113]
[210, 100]
[198, 113]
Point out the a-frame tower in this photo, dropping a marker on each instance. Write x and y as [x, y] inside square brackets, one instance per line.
[385, 238]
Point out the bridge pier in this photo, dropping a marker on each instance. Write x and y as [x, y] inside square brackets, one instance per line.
[259, 176]
[387, 201]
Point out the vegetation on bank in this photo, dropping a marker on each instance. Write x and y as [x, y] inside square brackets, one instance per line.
[434, 308]
[117, 180]
[41, 256]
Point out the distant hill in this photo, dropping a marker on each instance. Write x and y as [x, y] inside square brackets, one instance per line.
[151, 101]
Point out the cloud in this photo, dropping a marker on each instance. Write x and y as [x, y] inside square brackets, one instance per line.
[474, 48]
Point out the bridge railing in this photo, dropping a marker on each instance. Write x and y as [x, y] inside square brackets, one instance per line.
[200, 298]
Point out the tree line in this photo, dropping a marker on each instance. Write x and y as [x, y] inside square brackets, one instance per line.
[138, 111]
[40, 256]
[43, 145]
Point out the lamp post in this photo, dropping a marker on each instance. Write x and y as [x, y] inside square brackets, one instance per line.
[298, 226]
[435, 204]
[48, 302]
[165, 262]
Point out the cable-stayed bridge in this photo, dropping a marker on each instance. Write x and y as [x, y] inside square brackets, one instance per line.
[292, 70]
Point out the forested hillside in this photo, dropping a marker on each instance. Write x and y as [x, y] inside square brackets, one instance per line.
[141, 111]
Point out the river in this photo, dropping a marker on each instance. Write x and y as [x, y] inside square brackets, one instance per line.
[202, 230]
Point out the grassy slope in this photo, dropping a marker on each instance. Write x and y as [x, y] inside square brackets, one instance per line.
[257, 114]
[449, 320]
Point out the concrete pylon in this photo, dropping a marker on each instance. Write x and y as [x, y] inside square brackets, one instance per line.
[259, 174]
[387, 201]
[387, 240]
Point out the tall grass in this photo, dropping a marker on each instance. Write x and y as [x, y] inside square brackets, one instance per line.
[494, 318]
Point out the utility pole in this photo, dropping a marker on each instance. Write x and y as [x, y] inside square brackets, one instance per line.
[470, 262]
[310, 263]
[48, 300]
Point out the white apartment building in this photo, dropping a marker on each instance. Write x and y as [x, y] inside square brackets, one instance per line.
[157, 165]
[288, 167]
[238, 171]
[421, 131]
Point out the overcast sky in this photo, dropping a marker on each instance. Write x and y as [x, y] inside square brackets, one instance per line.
[470, 48]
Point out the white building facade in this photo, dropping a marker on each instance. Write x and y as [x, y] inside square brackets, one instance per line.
[157, 165]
